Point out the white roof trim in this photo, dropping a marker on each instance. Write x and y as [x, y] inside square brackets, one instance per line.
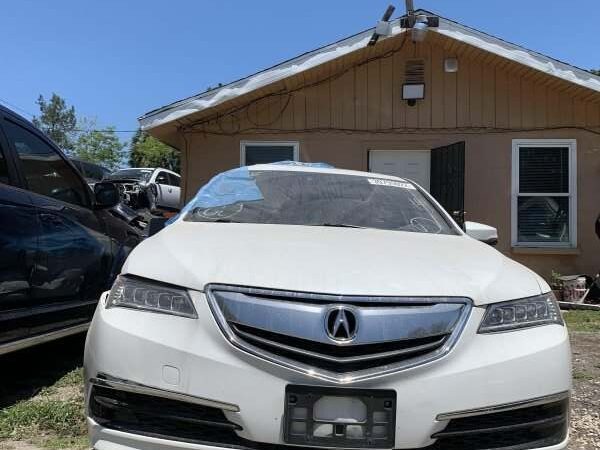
[518, 54]
[309, 60]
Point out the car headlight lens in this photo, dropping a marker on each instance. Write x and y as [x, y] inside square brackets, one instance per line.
[526, 312]
[137, 294]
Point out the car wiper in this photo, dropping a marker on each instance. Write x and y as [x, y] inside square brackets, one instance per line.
[222, 221]
[338, 225]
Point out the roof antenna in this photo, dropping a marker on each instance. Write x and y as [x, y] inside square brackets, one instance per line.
[383, 27]
[419, 23]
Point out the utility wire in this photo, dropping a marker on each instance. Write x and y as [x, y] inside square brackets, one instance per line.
[6, 102]
[31, 116]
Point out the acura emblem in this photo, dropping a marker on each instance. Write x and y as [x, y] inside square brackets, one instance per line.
[341, 324]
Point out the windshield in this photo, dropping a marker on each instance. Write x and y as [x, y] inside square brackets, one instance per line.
[132, 174]
[315, 198]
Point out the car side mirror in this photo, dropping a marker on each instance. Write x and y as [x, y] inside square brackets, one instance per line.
[482, 232]
[107, 194]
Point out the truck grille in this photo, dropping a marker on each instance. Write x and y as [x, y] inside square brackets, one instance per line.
[338, 338]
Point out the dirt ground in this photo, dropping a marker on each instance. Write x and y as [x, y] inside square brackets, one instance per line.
[585, 400]
[47, 370]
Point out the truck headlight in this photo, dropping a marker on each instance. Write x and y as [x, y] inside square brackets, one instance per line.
[525, 312]
[148, 296]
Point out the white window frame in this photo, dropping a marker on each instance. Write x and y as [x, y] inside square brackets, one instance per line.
[572, 145]
[243, 144]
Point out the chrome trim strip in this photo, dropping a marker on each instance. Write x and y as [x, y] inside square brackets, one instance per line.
[305, 317]
[42, 338]
[504, 407]
[340, 378]
[342, 359]
[111, 382]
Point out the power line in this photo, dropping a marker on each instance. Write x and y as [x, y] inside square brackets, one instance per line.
[31, 116]
[16, 107]
[106, 130]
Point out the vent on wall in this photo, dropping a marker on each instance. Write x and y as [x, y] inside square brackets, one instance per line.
[414, 71]
[413, 88]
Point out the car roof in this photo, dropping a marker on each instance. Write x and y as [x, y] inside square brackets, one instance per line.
[147, 168]
[312, 169]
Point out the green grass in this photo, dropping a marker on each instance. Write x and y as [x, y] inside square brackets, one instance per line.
[584, 376]
[54, 418]
[583, 320]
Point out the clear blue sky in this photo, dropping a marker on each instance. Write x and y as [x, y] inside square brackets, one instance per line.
[116, 60]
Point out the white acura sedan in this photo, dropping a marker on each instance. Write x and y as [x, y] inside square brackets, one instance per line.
[293, 305]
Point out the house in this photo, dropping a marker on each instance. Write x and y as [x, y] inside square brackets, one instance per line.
[497, 133]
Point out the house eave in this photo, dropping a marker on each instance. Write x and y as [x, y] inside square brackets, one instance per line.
[448, 28]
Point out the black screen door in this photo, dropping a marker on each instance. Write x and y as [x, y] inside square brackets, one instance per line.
[448, 179]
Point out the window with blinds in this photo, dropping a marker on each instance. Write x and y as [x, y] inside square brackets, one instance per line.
[544, 209]
[267, 152]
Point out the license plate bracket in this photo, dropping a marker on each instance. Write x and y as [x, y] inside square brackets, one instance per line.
[339, 417]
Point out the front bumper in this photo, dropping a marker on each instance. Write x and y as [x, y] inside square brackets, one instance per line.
[192, 357]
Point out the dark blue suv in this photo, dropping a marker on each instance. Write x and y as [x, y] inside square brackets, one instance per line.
[60, 246]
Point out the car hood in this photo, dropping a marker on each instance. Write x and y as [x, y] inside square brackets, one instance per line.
[345, 261]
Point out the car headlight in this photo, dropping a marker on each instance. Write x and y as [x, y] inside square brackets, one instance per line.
[140, 294]
[525, 312]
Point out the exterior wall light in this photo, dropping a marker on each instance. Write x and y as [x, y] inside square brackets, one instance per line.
[419, 29]
[413, 92]
[417, 23]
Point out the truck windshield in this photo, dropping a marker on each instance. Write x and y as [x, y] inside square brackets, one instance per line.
[316, 199]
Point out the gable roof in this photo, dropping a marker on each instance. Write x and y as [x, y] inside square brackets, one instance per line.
[451, 29]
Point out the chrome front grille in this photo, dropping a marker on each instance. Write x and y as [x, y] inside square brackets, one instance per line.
[378, 334]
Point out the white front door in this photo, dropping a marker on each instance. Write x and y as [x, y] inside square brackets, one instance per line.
[412, 164]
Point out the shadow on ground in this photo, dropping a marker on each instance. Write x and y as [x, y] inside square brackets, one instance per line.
[24, 373]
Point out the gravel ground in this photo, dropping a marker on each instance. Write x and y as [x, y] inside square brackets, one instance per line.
[585, 400]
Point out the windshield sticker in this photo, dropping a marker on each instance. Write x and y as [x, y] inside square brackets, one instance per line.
[381, 182]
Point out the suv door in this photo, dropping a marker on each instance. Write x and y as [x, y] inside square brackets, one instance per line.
[18, 247]
[74, 257]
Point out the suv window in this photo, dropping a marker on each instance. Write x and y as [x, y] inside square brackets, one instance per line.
[46, 172]
[162, 178]
[174, 180]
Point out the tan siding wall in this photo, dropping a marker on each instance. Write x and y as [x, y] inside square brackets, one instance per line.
[340, 120]
[485, 92]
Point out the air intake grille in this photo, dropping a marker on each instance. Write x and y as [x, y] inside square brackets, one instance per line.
[531, 427]
[160, 417]
[378, 334]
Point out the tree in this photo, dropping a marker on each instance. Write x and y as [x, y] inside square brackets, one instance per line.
[147, 151]
[98, 146]
[57, 120]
